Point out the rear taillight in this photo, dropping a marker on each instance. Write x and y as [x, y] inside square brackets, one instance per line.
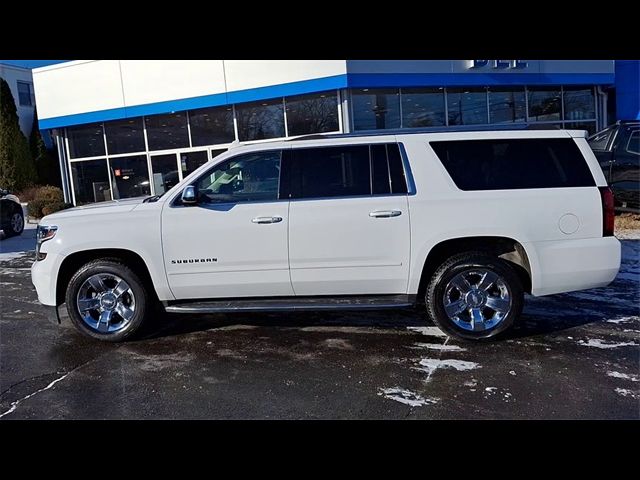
[608, 212]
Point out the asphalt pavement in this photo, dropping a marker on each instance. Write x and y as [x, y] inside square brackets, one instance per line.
[573, 356]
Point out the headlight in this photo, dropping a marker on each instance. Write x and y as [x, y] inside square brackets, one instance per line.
[44, 233]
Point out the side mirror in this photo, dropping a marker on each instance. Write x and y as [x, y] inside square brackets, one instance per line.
[189, 196]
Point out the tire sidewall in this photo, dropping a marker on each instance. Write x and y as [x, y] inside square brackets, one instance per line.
[8, 228]
[121, 271]
[436, 289]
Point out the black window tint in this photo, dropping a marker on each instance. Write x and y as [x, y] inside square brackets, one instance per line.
[600, 140]
[398, 181]
[633, 146]
[245, 178]
[514, 164]
[330, 172]
[380, 180]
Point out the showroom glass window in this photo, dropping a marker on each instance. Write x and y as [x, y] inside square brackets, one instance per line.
[191, 161]
[260, 120]
[507, 105]
[90, 181]
[315, 113]
[129, 176]
[375, 108]
[167, 131]
[467, 106]
[164, 172]
[422, 107]
[544, 103]
[590, 127]
[210, 126]
[125, 136]
[579, 103]
[86, 141]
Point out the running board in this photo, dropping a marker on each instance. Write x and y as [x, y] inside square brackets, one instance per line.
[293, 304]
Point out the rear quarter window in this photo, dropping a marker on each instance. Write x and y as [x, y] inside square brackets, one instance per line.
[510, 164]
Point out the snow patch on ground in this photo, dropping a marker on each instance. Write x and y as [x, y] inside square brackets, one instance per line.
[438, 346]
[407, 397]
[625, 392]
[15, 404]
[428, 331]
[11, 255]
[624, 376]
[596, 342]
[430, 365]
[622, 319]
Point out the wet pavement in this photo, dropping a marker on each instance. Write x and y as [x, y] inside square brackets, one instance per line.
[573, 356]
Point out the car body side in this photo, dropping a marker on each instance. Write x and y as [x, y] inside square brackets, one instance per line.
[439, 212]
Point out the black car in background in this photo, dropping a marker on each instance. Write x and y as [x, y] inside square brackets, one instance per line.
[618, 150]
[11, 214]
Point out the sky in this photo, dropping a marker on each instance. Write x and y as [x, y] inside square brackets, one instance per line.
[31, 63]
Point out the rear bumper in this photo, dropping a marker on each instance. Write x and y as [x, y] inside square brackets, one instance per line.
[570, 265]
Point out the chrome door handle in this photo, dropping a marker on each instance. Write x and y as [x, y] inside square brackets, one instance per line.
[385, 213]
[267, 219]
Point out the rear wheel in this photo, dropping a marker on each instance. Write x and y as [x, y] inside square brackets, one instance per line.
[474, 296]
[106, 300]
[14, 224]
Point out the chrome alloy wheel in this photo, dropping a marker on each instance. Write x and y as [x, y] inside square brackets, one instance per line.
[106, 303]
[17, 222]
[477, 299]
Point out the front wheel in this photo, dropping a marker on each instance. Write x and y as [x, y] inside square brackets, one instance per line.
[474, 296]
[107, 300]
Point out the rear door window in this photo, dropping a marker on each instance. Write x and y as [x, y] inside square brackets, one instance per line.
[343, 171]
[509, 164]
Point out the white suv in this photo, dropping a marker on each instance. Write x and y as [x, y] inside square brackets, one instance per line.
[460, 224]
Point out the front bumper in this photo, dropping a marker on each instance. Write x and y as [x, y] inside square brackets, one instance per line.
[44, 275]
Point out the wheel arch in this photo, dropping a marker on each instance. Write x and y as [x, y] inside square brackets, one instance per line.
[505, 248]
[74, 261]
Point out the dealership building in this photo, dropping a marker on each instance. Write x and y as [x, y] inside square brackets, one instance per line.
[126, 128]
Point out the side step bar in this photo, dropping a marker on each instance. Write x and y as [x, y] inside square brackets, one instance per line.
[293, 304]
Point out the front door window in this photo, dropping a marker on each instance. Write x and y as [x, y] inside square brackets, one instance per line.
[245, 178]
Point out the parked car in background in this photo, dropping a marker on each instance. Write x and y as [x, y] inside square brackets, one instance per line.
[11, 214]
[617, 149]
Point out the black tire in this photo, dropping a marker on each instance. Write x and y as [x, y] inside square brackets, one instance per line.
[467, 262]
[114, 267]
[8, 227]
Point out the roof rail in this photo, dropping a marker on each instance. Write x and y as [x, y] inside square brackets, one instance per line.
[312, 136]
[411, 131]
